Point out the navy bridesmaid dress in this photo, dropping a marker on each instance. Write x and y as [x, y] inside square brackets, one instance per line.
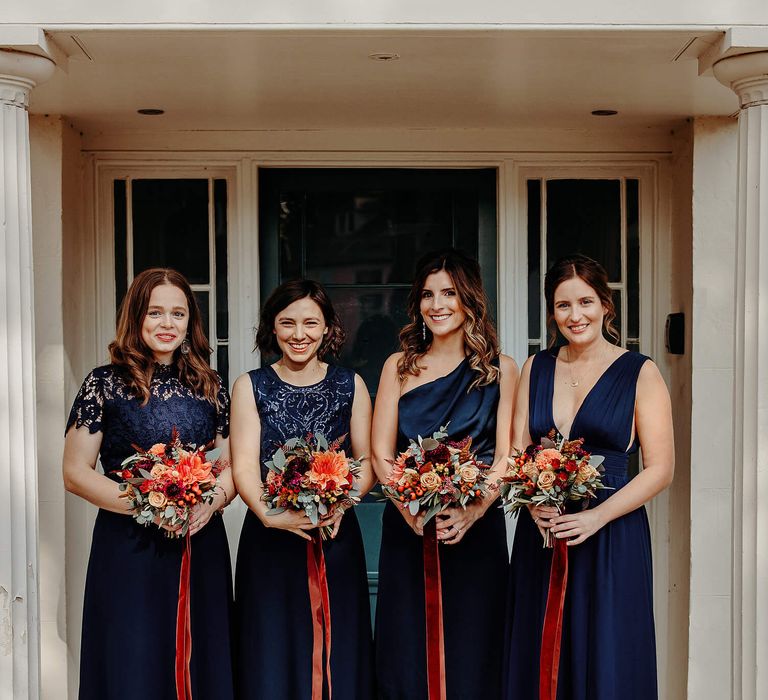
[608, 641]
[132, 586]
[273, 614]
[473, 572]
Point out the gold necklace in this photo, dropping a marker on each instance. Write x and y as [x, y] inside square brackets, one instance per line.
[573, 383]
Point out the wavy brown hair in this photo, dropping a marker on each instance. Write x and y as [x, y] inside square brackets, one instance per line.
[480, 341]
[282, 297]
[129, 351]
[592, 273]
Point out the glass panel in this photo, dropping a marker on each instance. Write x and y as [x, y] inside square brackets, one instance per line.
[170, 227]
[533, 348]
[222, 363]
[617, 320]
[121, 238]
[220, 229]
[633, 258]
[202, 302]
[584, 216]
[372, 317]
[534, 258]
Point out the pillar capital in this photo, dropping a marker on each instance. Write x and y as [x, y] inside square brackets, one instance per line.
[19, 73]
[747, 75]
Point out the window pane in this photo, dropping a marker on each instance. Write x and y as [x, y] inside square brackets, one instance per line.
[372, 317]
[617, 320]
[121, 237]
[534, 259]
[584, 216]
[203, 304]
[222, 363]
[170, 227]
[633, 259]
[533, 348]
[220, 221]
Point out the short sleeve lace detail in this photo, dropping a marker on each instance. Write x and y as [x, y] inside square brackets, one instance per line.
[88, 407]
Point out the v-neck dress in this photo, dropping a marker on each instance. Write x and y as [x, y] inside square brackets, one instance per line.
[473, 572]
[608, 640]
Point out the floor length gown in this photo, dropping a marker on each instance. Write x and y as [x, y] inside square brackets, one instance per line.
[273, 614]
[608, 641]
[473, 572]
[132, 586]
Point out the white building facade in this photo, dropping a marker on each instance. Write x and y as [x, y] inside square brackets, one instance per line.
[282, 121]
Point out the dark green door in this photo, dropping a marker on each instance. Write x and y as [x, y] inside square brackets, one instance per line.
[360, 232]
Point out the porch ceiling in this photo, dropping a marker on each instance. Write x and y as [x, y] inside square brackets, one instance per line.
[253, 80]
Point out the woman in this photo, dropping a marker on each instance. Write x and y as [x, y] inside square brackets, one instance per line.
[449, 372]
[299, 394]
[617, 401]
[158, 380]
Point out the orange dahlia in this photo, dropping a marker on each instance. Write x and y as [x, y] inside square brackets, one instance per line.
[328, 470]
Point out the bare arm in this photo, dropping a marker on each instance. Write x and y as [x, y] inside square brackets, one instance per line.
[245, 448]
[223, 493]
[81, 450]
[360, 434]
[653, 422]
[520, 435]
[384, 430]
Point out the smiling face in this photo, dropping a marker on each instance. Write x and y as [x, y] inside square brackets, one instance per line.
[165, 323]
[578, 312]
[300, 329]
[440, 307]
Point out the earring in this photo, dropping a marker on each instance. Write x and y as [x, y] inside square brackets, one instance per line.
[423, 330]
[185, 347]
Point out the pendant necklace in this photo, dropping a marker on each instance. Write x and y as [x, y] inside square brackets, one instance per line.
[574, 382]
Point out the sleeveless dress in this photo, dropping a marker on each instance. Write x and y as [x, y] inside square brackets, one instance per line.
[608, 640]
[473, 572]
[273, 614]
[132, 584]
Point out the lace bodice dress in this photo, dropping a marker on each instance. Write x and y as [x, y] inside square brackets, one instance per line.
[132, 584]
[274, 624]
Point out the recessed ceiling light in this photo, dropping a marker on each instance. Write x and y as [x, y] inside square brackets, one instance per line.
[604, 112]
[151, 112]
[384, 56]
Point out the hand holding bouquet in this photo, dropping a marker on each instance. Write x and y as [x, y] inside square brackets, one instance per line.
[433, 474]
[551, 474]
[164, 483]
[308, 474]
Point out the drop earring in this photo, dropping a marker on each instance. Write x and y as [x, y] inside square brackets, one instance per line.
[423, 330]
[185, 347]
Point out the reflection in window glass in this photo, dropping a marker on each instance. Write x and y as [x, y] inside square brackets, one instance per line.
[584, 216]
[170, 227]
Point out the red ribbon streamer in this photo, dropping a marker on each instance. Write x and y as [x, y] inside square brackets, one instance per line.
[433, 598]
[184, 628]
[551, 636]
[321, 616]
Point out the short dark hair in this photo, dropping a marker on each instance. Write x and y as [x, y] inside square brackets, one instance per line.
[282, 297]
[589, 271]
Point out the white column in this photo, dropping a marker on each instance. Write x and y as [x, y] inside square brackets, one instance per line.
[19, 619]
[747, 75]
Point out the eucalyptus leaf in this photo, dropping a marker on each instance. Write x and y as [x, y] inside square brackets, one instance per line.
[596, 460]
[413, 507]
[279, 459]
[428, 444]
[322, 508]
[322, 443]
[145, 473]
[290, 444]
[547, 444]
[432, 512]
[213, 455]
[169, 512]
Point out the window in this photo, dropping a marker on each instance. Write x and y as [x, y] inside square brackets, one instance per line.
[596, 217]
[182, 224]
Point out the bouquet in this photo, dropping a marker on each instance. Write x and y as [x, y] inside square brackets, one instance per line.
[162, 484]
[433, 474]
[309, 474]
[551, 474]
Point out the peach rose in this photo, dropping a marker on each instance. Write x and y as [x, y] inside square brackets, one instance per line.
[586, 472]
[157, 449]
[531, 470]
[328, 470]
[157, 499]
[158, 471]
[469, 473]
[545, 458]
[430, 480]
[546, 479]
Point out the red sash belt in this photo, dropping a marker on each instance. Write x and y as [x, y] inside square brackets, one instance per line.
[551, 636]
[184, 629]
[321, 616]
[434, 614]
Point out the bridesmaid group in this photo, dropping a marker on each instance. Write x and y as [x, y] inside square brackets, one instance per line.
[259, 643]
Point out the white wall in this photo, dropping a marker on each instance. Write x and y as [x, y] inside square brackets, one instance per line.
[714, 220]
[348, 12]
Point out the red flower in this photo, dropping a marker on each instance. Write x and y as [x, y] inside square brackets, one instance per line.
[127, 474]
[571, 465]
[146, 486]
